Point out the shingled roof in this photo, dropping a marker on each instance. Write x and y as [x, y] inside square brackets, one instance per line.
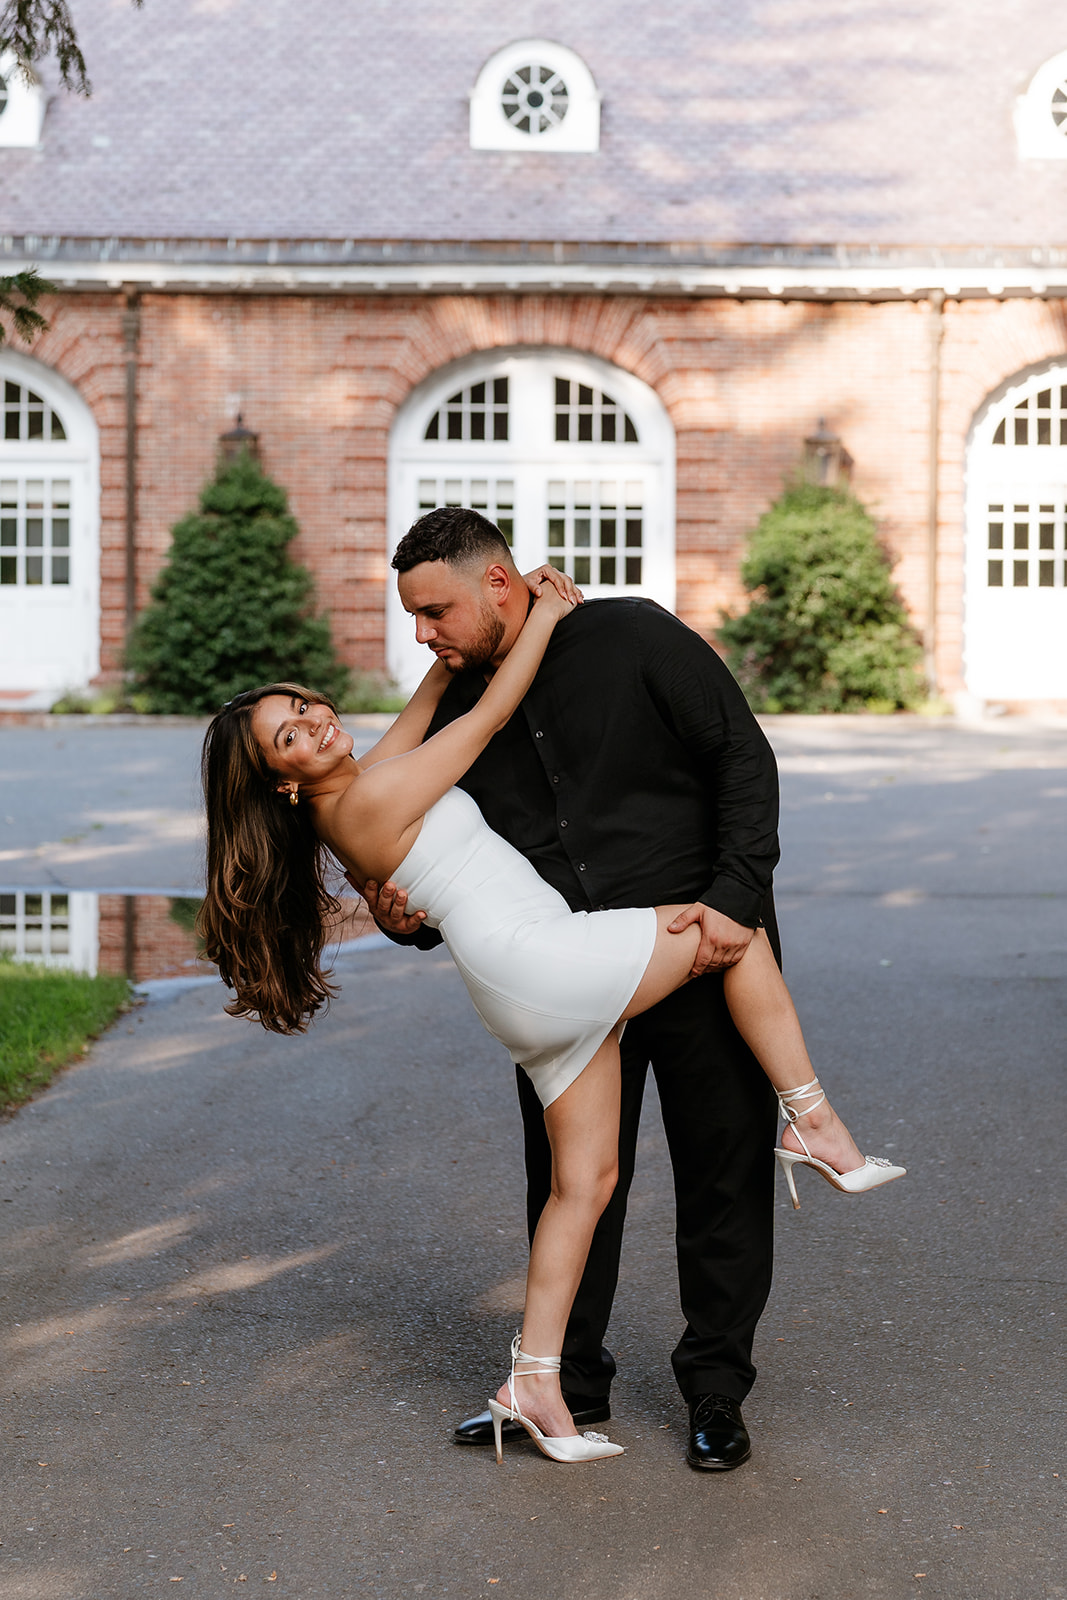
[791, 122]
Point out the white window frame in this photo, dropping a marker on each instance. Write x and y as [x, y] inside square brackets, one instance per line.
[1013, 638]
[577, 133]
[32, 618]
[23, 115]
[1039, 137]
[530, 459]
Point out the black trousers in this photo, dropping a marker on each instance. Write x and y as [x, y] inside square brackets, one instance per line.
[719, 1116]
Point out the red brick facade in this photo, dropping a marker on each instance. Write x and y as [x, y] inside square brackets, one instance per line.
[320, 379]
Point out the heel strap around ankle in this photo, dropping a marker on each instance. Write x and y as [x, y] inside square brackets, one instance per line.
[788, 1099]
[537, 1363]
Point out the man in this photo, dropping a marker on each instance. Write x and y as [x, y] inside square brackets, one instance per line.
[633, 774]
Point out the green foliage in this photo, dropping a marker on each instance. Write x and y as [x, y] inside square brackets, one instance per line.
[19, 294]
[232, 610]
[372, 691]
[46, 1018]
[30, 29]
[826, 630]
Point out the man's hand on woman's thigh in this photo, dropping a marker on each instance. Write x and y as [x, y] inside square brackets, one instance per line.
[722, 941]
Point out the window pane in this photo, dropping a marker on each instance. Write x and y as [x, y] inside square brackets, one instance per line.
[607, 533]
[581, 533]
[633, 569]
[8, 531]
[1045, 579]
[562, 427]
[1046, 532]
[1020, 430]
[633, 532]
[58, 430]
[1022, 536]
[11, 425]
[996, 574]
[998, 437]
[60, 569]
[8, 569]
[34, 570]
[1044, 430]
[996, 536]
[555, 533]
[1021, 579]
[432, 426]
[581, 569]
[500, 425]
[607, 569]
[34, 532]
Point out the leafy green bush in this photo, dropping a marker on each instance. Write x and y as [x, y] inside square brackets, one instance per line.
[826, 630]
[231, 610]
[372, 691]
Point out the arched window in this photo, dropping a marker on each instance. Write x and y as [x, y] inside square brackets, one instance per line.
[1016, 578]
[1041, 113]
[535, 95]
[21, 105]
[572, 458]
[49, 531]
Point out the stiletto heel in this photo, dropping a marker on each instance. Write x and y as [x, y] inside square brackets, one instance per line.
[875, 1170]
[589, 1447]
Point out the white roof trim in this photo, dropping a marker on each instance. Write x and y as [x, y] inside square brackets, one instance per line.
[493, 277]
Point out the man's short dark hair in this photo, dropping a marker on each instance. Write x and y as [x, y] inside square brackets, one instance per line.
[454, 534]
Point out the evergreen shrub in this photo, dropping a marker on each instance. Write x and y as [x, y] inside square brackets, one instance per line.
[231, 610]
[826, 629]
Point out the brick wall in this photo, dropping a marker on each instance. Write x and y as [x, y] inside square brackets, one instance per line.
[162, 948]
[321, 378]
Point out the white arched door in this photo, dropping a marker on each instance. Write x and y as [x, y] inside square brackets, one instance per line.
[49, 531]
[572, 458]
[1015, 616]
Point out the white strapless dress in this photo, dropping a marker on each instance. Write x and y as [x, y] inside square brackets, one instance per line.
[548, 982]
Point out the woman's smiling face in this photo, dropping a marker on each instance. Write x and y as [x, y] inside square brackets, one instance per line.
[300, 739]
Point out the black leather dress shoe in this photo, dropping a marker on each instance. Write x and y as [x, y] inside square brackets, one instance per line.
[479, 1429]
[718, 1438]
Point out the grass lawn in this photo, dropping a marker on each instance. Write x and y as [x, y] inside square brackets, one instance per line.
[47, 1016]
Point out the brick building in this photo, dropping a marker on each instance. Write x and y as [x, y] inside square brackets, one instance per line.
[599, 271]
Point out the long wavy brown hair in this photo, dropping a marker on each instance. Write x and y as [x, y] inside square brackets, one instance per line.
[263, 919]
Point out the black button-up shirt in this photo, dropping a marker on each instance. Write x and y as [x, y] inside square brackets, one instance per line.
[634, 772]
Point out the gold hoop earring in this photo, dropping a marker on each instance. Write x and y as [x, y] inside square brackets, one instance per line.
[294, 795]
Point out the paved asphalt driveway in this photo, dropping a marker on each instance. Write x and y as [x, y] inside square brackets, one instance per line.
[248, 1283]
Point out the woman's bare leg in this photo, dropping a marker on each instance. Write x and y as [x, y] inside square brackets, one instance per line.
[583, 1131]
[764, 1016]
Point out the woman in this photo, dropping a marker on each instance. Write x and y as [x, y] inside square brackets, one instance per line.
[553, 985]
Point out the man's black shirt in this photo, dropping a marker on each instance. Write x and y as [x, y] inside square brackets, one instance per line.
[634, 772]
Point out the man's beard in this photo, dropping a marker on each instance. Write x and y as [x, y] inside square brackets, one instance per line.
[483, 647]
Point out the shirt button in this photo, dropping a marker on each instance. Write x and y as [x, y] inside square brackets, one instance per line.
[555, 777]
[563, 822]
[538, 734]
[581, 866]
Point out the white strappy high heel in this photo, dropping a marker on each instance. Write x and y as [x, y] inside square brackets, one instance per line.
[875, 1170]
[588, 1447]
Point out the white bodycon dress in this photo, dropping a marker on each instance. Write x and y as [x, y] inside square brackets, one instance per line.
[548, 982]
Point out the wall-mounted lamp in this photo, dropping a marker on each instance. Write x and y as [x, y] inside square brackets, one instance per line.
[238, 441]
[826, 461]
